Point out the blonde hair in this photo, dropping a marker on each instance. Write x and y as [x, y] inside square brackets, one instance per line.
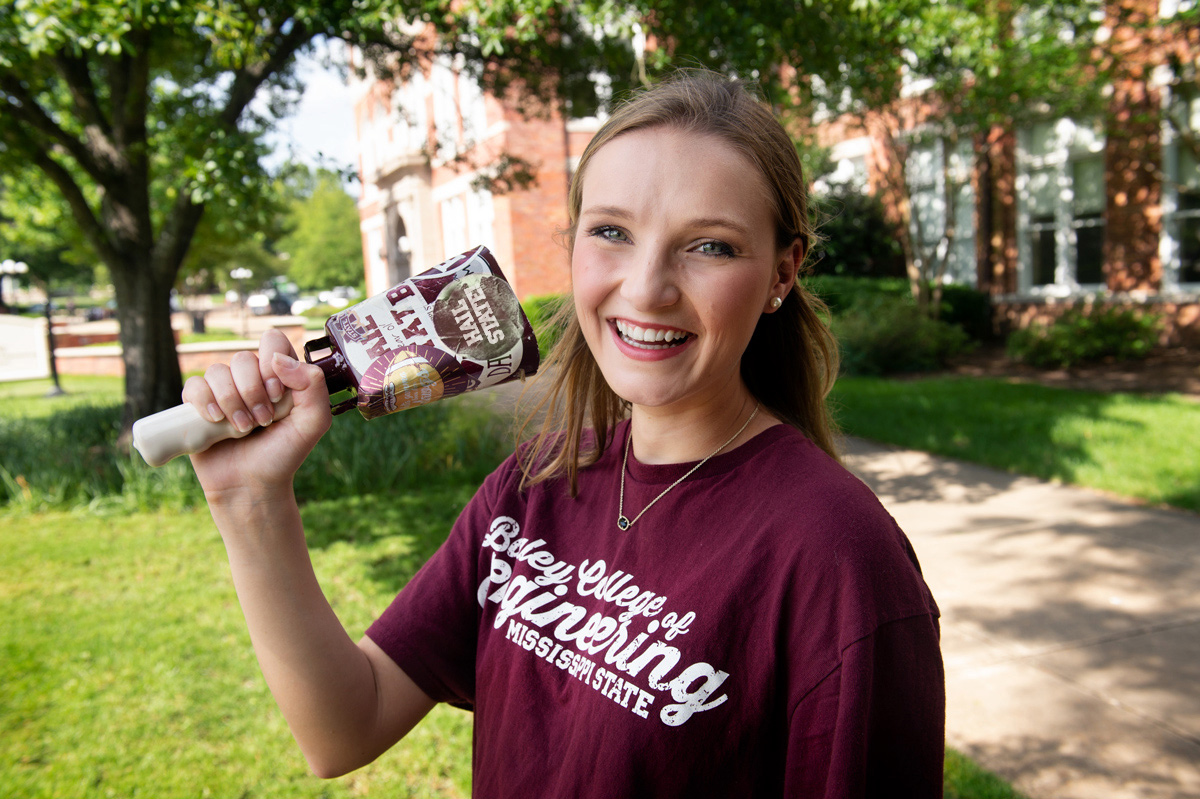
[791, 361]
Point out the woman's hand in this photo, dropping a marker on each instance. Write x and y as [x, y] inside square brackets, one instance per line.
[263, 463]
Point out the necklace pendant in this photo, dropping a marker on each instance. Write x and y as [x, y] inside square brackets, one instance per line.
[623, 523]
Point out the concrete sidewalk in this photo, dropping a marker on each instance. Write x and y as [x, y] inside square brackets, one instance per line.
[1070, 625]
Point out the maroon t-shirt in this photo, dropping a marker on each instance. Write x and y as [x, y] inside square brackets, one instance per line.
[763, 630]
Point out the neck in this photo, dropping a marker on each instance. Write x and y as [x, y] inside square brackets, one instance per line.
[663, 435]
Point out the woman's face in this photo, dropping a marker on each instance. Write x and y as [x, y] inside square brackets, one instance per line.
[675, 258]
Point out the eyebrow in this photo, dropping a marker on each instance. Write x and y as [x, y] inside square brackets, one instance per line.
[621, 213]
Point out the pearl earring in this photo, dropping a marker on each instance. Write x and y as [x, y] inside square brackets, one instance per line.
[775, 303]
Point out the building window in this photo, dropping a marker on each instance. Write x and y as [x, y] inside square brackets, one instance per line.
[472, 109]
[849, 161]
[1181, 192]
[481, 219]
[939, 172]
[445, 110]
[1061, 201]
[412, 126]
[454, 227]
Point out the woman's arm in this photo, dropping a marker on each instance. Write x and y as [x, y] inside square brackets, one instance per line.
[345, 703]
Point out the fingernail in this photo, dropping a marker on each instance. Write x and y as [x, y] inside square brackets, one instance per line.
[274, 389]
[214, 412]
[241, 420]
[263, 415]
[286, 361]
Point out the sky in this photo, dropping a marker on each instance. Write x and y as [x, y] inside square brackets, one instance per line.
[323, 122]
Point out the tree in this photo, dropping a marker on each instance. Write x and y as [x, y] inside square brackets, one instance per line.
[140, 115]
[324, 247]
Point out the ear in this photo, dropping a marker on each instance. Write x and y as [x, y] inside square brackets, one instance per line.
[787, 266]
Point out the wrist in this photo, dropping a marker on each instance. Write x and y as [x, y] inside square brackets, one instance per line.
[247, 504]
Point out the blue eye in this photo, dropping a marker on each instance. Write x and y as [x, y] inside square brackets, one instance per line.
[608, 233]
[717, 248]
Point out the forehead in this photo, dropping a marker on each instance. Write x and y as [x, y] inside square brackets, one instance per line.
[665, 168]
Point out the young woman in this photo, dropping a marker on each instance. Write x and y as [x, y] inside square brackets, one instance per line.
[674, 589]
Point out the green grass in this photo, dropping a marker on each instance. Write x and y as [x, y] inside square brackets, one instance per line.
[127, 670]
[965, 779]
[1137, 446]
[124, 660]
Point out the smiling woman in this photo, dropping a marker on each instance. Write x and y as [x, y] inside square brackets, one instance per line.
[675, 240]
[712, 607]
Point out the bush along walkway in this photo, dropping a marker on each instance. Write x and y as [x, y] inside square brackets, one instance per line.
[1070, 625]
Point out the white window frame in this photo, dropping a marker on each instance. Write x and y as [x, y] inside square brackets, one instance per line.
[454, 226]
[1071, 142]
[481, 218]
[444, 84]
[1170, 246]
[961, 265]
[412, 117]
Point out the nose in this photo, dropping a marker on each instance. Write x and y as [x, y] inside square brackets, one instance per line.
[649, 282]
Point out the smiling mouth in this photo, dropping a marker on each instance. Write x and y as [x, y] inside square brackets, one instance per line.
[650, 338]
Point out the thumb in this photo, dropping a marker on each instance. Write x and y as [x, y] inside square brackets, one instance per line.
[295, 375]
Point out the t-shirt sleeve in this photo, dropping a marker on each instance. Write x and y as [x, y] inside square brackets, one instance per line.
[874, 727]
[431, 628]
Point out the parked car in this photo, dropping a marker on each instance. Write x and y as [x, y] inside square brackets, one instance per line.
[338, 296]
[303, 304]
[273, 302]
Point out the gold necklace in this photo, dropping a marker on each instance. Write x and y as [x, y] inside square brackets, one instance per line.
[624, 523]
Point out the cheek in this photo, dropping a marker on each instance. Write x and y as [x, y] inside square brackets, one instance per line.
[589, 283]
[734, 309]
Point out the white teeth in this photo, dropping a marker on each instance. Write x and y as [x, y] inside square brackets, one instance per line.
[649, 338]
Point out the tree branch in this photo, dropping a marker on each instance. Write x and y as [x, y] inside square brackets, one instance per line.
[27, 110]
[75, 73]
[176, 236]
[137, 91]
[84, 216]
[247, 80]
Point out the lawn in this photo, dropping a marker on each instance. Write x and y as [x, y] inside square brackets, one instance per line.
[1138, 446]
[127, 670]
[124, 660]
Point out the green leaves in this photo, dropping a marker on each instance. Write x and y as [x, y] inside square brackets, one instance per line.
[325, 246]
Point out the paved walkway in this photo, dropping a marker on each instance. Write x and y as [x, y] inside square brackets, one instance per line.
[1071, 625]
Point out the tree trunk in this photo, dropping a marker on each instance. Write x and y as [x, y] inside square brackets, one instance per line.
[153, 381]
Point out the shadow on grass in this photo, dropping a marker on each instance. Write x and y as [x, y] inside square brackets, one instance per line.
[414, 523]
[1049, 433]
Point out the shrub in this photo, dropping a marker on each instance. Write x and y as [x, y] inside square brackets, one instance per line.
[843, 293]
[69, 458]
[888, 335]
[541, 310]
[856, 239]
[968, 308]
[1085, 334]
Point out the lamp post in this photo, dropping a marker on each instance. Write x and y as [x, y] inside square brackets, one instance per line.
[241, 274]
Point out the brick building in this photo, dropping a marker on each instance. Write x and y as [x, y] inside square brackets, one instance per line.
[1045, 216]
[429, 149]
[1065, 210]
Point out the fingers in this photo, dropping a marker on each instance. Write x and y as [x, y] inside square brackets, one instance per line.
[271, 343]
[245, 390]
[197, 391]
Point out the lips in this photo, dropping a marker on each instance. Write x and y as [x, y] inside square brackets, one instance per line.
[650, 338]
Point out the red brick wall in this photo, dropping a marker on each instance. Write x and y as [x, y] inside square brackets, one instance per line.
[1180, 320]
[538, 215]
